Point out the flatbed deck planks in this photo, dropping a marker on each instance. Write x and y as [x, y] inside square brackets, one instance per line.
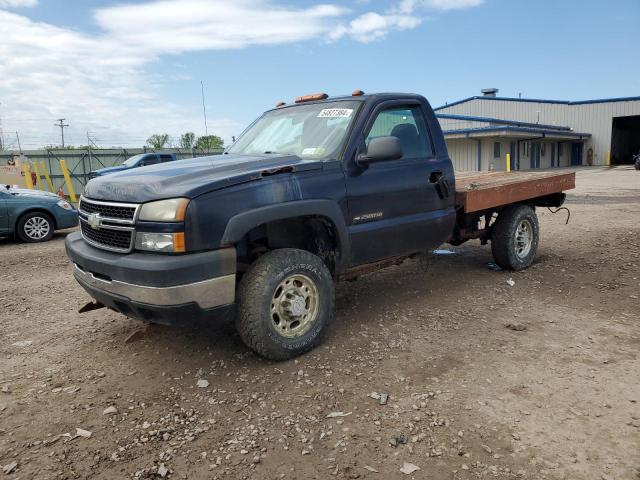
[477, 191]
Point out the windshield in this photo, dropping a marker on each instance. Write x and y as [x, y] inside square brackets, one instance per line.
[132, 161]
[314, 131]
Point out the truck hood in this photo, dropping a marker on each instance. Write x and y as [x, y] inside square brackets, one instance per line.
[193, 177]
[107, 170]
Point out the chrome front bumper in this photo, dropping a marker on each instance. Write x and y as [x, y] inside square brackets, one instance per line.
[207, 294]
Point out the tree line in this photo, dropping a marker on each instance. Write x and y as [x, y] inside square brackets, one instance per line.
[188, 141]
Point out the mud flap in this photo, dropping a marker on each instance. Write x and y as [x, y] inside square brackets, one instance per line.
[89, 307]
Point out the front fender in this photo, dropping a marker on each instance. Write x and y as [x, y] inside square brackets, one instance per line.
[239, 225]
[20, 210]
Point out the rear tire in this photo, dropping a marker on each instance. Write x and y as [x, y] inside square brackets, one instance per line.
[285, 303]
[35, 227]
[515, 237]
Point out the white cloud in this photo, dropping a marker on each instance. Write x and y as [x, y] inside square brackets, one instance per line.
[409, 6]
[373, 26]
[18, 3]
[172, 26]
[100, 82]
[405, 15]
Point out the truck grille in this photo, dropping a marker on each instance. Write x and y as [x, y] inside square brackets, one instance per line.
[108, 210]
[112, 239]
[108, 225]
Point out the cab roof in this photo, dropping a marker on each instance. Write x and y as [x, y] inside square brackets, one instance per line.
[365, 97]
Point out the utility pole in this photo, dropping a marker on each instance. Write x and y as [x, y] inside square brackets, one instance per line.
[1, 132]
[60, 123]
[19, 146]
[204, 110]
[89, 148]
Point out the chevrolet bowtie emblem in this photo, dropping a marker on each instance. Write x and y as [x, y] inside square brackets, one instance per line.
[94, 221]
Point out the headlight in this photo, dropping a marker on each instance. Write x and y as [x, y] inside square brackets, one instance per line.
[172, 210]
[64, 204]
[160, 242]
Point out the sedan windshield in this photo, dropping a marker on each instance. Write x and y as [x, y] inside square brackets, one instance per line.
[314, 131]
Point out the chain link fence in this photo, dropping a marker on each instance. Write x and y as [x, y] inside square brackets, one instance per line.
[82, 161]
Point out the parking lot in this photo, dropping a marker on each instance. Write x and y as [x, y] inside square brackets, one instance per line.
[490, 374]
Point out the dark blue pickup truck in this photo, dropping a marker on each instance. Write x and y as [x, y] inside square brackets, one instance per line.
[141, 160]
[313, 192]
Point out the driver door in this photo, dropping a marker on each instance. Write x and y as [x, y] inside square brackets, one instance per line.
[394, 206]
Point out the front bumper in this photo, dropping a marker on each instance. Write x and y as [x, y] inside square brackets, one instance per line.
[66, 218]
[154, 287]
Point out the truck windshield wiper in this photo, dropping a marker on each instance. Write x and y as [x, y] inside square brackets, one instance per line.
[270, 152]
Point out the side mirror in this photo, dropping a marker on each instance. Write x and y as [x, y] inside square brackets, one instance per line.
[381, 149]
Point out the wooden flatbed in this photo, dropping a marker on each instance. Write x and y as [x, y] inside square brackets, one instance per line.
[476, 191]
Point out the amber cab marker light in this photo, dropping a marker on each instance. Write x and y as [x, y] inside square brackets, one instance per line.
[312, 97]
[357, 93]
[280, 104]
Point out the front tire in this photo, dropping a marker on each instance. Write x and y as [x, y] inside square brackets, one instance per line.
[35, 227]
[515, 237]
[285, 303]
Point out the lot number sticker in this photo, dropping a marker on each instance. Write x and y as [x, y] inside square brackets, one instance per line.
[335, 113]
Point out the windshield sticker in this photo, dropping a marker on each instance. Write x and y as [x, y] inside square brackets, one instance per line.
[313, 151]
[335, 113]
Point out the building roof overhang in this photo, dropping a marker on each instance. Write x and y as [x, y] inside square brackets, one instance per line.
[515, 133]
[539, 100]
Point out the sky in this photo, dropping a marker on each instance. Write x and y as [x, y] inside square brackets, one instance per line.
[120, 71]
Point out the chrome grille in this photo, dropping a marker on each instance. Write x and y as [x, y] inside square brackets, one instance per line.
[108, 225]
[114, 239]
[108, 210]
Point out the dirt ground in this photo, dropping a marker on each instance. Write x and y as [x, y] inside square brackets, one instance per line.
[556, 396]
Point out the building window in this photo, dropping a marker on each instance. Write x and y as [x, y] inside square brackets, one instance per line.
[496, 150]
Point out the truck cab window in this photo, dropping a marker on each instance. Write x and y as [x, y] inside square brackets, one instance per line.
[150, 161]
[408, 125]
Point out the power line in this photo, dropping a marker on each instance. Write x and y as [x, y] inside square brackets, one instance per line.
[61, 124]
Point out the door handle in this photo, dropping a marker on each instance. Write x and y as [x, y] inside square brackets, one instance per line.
[441, 184]
[435, 177]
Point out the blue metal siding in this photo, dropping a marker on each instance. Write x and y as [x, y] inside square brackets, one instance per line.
[535, 100]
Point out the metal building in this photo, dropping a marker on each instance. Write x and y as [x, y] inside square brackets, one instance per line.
[480, 132]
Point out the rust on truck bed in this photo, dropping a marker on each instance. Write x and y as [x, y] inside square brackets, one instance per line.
[477, 191]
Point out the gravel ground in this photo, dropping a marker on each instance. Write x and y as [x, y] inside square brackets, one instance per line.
[555, 395]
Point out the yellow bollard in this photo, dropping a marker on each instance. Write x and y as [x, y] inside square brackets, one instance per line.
[608, 158]
[36, 170]
[46, 176]
[508, 162]
[27, 175]
[67, 180]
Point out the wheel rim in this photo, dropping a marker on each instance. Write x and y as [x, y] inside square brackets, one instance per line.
[36, 228]
[524, 238]
[294, 306]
